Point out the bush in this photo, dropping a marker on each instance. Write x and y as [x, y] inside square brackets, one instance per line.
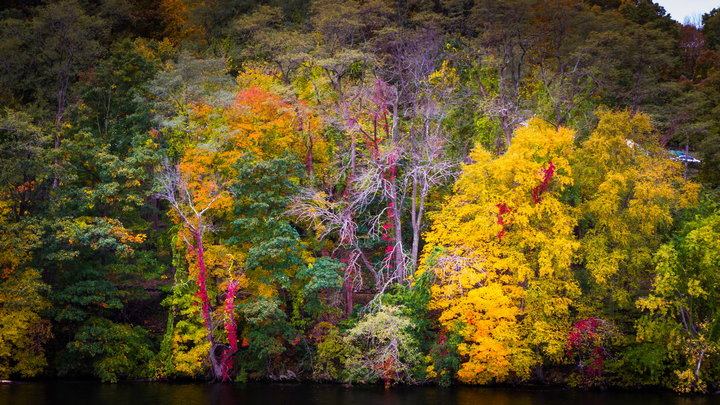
[112, 350]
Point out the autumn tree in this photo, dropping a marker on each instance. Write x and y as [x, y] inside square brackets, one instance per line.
[195, 193]
[227, 234]
[396, 144]
[501, 249]
[629, 192]
[383, 348]
[23, 332]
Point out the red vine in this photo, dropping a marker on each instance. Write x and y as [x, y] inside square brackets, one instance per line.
[545, 184]
[231, 329]
[202, 280]
[502, 210]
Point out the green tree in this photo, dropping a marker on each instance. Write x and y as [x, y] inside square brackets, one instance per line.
[711, 28]
[281, 271]
[681, 315]
[109, 351]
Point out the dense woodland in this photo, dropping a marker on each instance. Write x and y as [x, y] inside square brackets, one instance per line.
[362, 191]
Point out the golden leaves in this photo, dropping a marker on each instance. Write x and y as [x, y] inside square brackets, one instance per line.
[483, 280]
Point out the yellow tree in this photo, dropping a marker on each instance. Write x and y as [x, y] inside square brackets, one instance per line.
[23, 332]
[629, 190]
[501, 249]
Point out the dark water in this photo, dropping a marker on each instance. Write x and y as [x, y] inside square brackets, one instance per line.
[82, 393]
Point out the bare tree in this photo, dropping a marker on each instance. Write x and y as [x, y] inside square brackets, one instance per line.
[394, 156]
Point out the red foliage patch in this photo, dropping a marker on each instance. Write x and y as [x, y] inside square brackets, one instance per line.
[545, 184]
[231, 329]
[502, 210]
[586, 341]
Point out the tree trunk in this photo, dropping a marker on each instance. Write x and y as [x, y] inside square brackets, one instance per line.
[205, 303]
[216, 364]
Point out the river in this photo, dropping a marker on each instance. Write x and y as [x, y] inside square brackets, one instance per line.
[87, 393]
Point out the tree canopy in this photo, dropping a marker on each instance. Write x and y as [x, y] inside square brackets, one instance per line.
[396, 192]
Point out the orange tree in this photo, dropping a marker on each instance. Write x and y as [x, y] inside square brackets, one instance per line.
[205, 190]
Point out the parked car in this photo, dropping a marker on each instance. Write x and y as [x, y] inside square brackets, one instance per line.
[681, 156]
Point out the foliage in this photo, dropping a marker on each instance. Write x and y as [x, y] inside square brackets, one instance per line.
[444, 359]
[505, 238]
[587, 342]
[111, 350]
[680, 311]
[23, 332]
[711, 28]
[383, 348]
[331, 354]
[629, 192]
[362, 191]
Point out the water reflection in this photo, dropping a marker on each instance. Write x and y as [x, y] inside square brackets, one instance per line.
[81, 393]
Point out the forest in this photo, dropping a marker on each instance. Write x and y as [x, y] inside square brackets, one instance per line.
[360, 191]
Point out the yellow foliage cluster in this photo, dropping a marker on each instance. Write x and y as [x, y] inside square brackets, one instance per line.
[189, 349]
[22, 331]
[486, 282]
[503, 246]
[629, 190]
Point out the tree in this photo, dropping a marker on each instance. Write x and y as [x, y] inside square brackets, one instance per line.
[60, 42]
[504, 46]
[711, 28]
[24, 158]
[228, 235]
[396, 145]
[194, 196]
[183, 83]
[566, 69]
[381, 347]
[67, 40]
[680, 313]
[288, 287]
[628, 191]
[501, 250]
[111, 96]
[23, 332]
[648, 14]
[267, 38]
[629, 79]
[113, 350]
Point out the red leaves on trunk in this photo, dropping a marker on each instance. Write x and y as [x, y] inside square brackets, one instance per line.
[231, 329]
[545, 184]
[202, 279]
[502, 210]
